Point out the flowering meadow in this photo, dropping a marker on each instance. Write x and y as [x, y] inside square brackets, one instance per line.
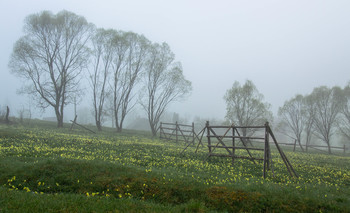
[152, 175]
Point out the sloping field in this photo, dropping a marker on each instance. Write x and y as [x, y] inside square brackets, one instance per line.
[43, 169]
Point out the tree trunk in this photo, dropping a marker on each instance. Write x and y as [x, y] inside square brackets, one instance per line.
[308, 139]
[59, 117]
[98, 125]
[154, 132]
[329, 148]
[60, 123]
[117, 126]
[7, 115]
[153, 128]
[302, 149]
[119, 129]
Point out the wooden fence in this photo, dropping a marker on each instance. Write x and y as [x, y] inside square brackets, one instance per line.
[177, 132]
[315, 147]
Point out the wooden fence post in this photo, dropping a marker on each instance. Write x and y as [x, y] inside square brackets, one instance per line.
[74, 121]
[208, 136]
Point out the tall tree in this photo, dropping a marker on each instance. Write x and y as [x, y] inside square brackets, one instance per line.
[246, 107]
[129, 60]
[293, 115]
[344, 121]
[309, 120]
[326, 104]
[164, 83]
[103, 53]
[119, 62]
[50, 57]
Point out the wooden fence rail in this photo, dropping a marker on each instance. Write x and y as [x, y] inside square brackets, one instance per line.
[316, 147]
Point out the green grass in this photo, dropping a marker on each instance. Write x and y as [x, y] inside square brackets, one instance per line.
[19, 201]
[44, 169]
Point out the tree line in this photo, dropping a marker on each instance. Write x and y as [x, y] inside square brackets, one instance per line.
[123, 68]
[320, 114]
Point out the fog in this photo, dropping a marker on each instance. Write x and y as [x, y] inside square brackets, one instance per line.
[284, 47]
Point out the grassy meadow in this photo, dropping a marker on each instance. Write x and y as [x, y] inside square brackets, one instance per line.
[44, 169]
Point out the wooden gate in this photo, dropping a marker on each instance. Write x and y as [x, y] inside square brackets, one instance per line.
[230, 138]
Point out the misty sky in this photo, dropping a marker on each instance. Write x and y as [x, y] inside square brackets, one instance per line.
[284, 47]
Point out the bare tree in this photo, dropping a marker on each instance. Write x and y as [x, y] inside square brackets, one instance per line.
[103, 53]
[126, 79]
[326, 104]
[50, 57]
[309, 120]
[164, 83]
[118, 65]
[344, 121]
[245, 107]
[127, 65]
[293, 115]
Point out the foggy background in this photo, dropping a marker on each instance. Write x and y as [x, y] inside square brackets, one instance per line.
[284, 47]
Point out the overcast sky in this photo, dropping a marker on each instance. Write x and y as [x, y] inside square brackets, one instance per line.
[284, 47]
